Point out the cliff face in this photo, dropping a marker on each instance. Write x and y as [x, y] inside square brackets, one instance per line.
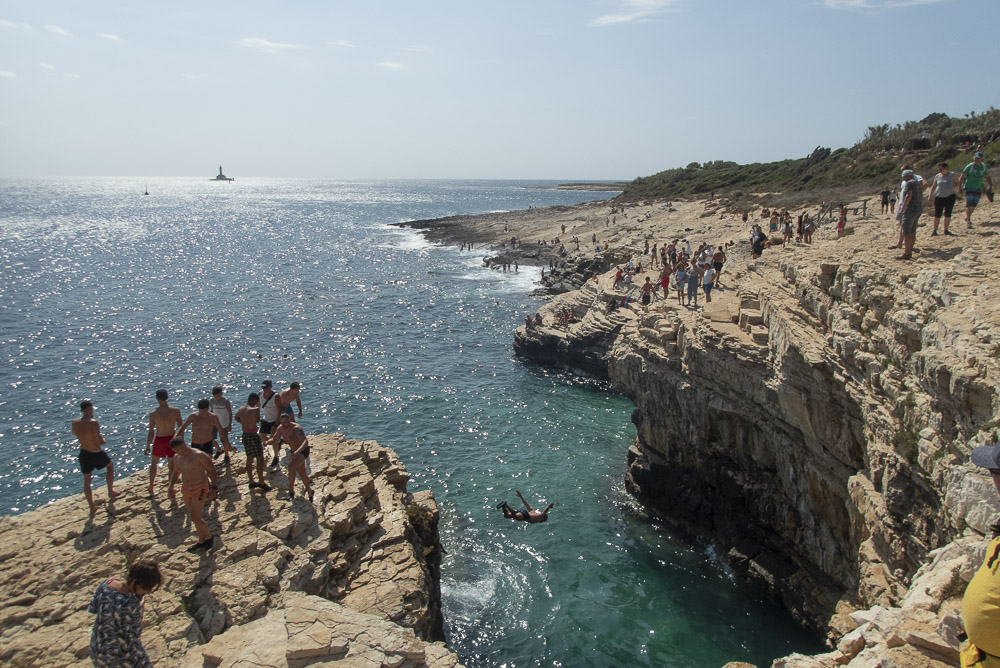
[814, 420]
[288, 582]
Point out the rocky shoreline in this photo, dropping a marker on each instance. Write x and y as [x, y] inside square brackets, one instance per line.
[814, 421]
[354, 576]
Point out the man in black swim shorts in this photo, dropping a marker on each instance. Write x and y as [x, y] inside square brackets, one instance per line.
[530, 516]
[88, 432]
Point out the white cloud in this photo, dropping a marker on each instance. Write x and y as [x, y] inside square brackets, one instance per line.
[266, 46]
[46, 66]
[109, 36]
[189, 76]
[72, 76]
[634, 10]
[342, 43]
[62, 32]
[876, 4]
[13, 24]
[389, 65]
[4, 74]
[418, 48]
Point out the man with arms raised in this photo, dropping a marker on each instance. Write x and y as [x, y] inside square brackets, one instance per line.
[198, 485]
[88, 432]
[297, 441]
[202, 423]
[163, 423]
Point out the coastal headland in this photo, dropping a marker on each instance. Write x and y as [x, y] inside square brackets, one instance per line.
[814, 421]
[353, 577]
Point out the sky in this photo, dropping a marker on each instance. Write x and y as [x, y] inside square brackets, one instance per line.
[535, 89]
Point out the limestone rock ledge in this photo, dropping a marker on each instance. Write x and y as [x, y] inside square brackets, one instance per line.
[923, 630]
[357, 570]
[815, 420]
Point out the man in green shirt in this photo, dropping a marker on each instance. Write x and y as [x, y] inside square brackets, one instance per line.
[972, 181]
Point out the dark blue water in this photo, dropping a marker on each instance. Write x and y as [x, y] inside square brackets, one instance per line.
[109, 295]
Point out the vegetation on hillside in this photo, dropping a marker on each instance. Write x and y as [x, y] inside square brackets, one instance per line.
[871, 163]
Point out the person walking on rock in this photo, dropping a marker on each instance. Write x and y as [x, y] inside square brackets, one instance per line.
[972, 181]
[942, 197]
[294, 435]
[163, 424]
[115, 641]
[203, 425]
[88, 433]
[910, 209]
[199, 484]
[247, 416]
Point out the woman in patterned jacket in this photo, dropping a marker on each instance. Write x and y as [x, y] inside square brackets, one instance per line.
[115, 641]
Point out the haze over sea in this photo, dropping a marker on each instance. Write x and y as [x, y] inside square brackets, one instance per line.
[109, 295]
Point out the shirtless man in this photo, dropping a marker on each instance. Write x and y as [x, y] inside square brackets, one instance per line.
[88, 432]
[202, 423]
[718, 259]
[532, 516]
[199, 483]
[248, 416]
[286, 397]
[297, 441]
[163, 423]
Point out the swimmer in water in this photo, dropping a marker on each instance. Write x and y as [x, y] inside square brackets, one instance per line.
[530, 516]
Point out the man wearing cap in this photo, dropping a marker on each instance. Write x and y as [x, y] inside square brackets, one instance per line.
[909, 212]
[269, 414]
[981, 603]
[972, 181]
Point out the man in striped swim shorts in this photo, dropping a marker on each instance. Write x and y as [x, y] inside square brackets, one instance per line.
[248, 416]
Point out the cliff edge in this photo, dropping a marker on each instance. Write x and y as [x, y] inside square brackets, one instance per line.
[353, 576]
[815, 419]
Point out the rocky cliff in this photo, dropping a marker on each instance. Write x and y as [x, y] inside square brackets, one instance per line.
[815, 419]
[289, 583]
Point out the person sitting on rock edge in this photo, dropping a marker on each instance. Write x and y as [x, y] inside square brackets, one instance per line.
[531, 516]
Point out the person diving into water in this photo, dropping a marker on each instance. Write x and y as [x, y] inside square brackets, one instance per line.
[530, 515]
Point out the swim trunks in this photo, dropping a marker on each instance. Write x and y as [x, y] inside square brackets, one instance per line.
[252, 445]
[204, 447]
[196, 493]
[161, 446]
[972, 197]
[520, 515]
[93, 460]
[664, 282]
[645, 299]
[287, 409]
[298, 458]
[265, 427]
[717, 265]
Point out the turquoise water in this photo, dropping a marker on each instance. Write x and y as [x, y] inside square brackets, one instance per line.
[108, 295]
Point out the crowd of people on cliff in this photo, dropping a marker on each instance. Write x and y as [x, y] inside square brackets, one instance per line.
[690, 270]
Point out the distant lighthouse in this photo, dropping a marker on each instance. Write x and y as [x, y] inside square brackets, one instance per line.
[221, 176]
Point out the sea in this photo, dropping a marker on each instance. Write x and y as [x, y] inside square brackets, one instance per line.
[108, 294]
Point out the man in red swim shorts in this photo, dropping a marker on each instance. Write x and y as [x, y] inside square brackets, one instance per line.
[163, 422]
